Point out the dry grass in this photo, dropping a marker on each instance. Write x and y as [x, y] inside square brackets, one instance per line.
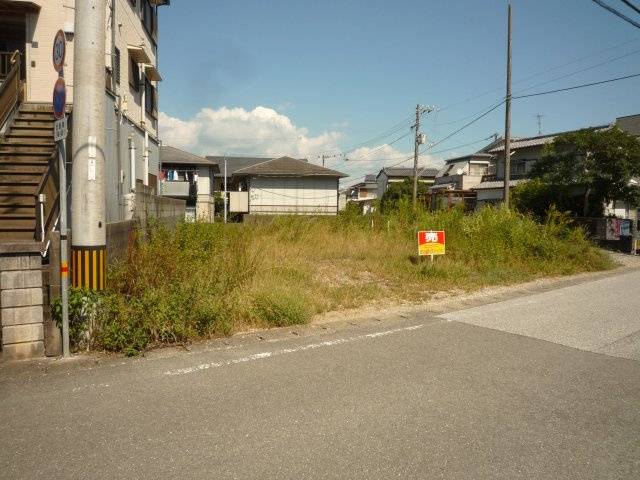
[206, 280]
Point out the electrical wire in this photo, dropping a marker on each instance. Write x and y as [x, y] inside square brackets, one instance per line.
[578, 71]
[575, 87]
[631, 5]
[617, 13]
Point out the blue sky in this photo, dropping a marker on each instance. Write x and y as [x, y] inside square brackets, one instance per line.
[304, 78]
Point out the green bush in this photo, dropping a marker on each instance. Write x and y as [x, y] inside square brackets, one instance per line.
[84, 306]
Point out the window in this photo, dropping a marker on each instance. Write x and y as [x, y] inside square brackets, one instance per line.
[519, 167]
[149, 18]
[150, 99]
[134, 75]
[116, 65]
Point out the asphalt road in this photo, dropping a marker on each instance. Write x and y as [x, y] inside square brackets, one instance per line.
[466, 395]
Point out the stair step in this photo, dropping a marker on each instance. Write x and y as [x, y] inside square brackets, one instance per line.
[17, 201]
[36, 107]
[25, 215]
[25, 150]
[30, 132]
[22, 169]
[24, 211]
[17, 189]
[33, 124]
[17, 235]
[20, 178]
[7, 224]
[13, 140]
[35, 116]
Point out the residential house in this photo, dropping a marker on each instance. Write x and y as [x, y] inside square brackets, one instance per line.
[191, 178]
[389, 175]
[131, 76]
[284, 186]
[463, 173]
[364, 193]
[228, 166]
[525, 152]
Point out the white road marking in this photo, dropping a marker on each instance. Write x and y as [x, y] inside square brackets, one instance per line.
[284, 351]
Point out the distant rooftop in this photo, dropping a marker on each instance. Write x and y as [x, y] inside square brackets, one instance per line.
[370, 178]
[172, 155]
[538, 140]
[287, 167]
[472, 156]
[408, 172]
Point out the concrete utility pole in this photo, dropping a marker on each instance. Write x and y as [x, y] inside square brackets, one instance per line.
[415, 157]
[88, 225]
[419, 140]
[539, 117]
[225, 190]
[507, 122]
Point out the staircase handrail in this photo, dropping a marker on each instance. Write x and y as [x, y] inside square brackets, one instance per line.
[47, 210]
[11, 89]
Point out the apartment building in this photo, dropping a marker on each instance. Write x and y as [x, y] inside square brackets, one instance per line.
[131, 79]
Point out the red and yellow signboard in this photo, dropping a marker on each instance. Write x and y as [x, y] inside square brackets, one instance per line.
[431, 242]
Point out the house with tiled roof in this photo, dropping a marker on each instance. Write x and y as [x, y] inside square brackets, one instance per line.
[284, 186]
[525, 152]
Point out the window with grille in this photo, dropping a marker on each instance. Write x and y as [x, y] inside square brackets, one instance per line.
[134, 75]
[116, 65]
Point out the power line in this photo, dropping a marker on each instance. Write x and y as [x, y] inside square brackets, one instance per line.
[630, 5]
[579, 71]
[617, 13]
[575, 87]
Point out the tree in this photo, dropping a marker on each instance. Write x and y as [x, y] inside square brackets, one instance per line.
[600, 164]
[400, 190]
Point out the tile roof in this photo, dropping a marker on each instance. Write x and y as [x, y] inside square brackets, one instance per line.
[496, 184]
[288, 167]
[370, 178]
[235, 163]
[174, 155]
[471, 157]
[539, 140]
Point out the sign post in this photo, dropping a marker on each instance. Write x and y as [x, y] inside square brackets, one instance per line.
[60, 136]
[431, 243]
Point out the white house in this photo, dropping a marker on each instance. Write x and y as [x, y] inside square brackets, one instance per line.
[189, 177]
[285, 186]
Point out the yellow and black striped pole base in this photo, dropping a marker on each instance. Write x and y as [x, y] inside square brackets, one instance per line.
[89, 267]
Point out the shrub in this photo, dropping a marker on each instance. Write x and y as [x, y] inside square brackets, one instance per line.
[84, 306]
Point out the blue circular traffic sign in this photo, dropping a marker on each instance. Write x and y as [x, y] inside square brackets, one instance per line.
[59, 51]
[59, 98]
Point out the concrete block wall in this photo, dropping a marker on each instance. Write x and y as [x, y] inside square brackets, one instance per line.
[21, 301]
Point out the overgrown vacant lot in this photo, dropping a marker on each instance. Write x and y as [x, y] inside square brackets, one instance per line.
[205, 280]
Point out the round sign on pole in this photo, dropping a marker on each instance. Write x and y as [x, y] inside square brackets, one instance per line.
[59, 48]
[59, 98]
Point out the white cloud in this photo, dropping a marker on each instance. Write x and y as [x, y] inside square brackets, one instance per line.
[266, 132]
[261, 132]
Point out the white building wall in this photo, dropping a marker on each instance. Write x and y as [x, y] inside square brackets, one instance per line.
[59, 14]
[293, 196]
